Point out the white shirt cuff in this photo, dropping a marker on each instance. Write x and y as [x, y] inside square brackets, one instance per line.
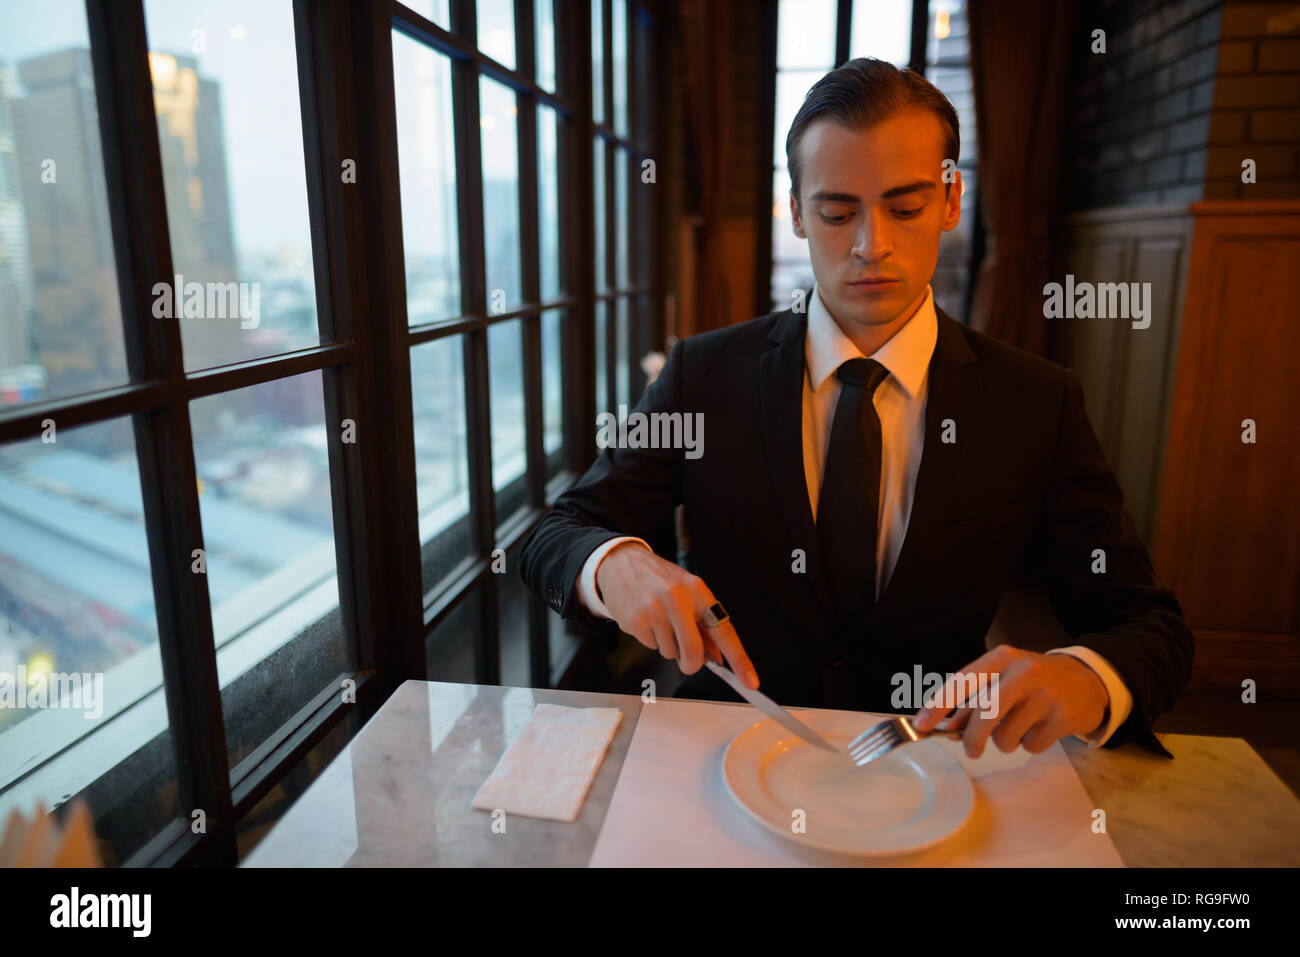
[1121, 699]
[587, 593]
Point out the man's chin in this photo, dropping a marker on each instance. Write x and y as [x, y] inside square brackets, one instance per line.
[881, 315]
[874, 309]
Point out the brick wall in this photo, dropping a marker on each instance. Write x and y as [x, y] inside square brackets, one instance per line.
[1140, 114]
[1186, 90]
[1256, 113]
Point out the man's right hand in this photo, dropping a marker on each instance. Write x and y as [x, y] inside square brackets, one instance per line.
[660, 604]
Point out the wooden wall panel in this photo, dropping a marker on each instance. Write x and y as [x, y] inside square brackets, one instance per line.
[1228, 537]
[1127, 373]
[1093, 346]
[1147, 377]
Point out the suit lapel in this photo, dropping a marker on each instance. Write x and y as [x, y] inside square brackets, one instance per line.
[780, 388]
[954, 393]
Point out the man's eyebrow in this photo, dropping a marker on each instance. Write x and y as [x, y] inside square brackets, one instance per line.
[825, 196]
[918, 186]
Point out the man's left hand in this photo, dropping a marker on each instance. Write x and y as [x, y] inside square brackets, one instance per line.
[1041, 699]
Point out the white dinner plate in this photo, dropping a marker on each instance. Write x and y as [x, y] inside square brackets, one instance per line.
[911, 798]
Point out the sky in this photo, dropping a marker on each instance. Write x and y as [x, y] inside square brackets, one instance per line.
[249, 50]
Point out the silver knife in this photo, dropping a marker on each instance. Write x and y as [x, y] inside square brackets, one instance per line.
[770, 708]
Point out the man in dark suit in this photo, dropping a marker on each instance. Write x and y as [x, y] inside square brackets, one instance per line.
[873, 476]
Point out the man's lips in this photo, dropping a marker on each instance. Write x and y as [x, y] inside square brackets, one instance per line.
[874, 282]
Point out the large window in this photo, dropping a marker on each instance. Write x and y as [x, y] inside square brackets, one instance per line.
[811, 41]
[254, 469]
[622, 189]
[172, 539]
[484, 119]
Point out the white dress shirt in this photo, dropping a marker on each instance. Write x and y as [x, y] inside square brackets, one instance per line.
[900, 404]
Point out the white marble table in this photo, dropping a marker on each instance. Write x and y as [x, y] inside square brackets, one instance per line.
[399, 794]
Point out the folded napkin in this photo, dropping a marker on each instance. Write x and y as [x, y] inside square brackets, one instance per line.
[548, 768]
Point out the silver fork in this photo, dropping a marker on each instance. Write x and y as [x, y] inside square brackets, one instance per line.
[882, 738]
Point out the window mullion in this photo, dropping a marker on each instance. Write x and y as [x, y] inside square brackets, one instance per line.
[609, 313]
[843, 26]
[377, 280]
[577, 278]
[920, 27]
[469, 175]
[133, 170]
[531, 325]
[322, 122]
[531, 331]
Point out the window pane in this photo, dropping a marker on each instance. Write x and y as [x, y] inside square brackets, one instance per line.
[619, 65]
[882, 29]
[262, 459]
[788, 277]
[641, 96]
[76, 599]
[426, 167]
[514, 599]
[552, 381]
[597, 62]
[506, 395]
[956, 84]
[441, 457]
[805, 34]
[624, 382]
[622, 225]
[548, 202]
[449, 648]
[225, 84]
[785, 244]
[948, 38]
[791, 88]
[258, 821]
[563, 645]
[643, 321]
[496, 30]
[435, 10]
[60, 317]
[602, 357]
[952, 272]
[947, 52]
[642, 214]
[598, 185]
[544, 32]
[500, 195]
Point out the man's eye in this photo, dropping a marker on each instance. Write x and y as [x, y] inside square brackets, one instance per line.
[908, 213]
[834, 220]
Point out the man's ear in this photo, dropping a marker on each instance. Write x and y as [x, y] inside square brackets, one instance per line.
[795, 219]
[952, 203]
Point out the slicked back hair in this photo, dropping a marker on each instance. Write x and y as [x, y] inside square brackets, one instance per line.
[860, 94]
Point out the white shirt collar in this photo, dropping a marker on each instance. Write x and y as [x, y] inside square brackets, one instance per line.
[906, 355]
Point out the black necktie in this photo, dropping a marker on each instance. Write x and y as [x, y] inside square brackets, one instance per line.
[850, 495]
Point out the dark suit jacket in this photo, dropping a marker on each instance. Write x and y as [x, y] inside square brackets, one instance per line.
[1025, 489]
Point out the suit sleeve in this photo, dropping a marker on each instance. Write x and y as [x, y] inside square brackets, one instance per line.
[627, 491]
[1099, 577]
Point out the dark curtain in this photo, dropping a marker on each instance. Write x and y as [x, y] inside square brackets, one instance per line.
[1020, 64]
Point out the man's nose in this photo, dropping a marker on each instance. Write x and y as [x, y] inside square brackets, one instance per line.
[874, 240]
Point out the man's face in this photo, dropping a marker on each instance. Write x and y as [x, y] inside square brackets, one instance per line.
[873, 208]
